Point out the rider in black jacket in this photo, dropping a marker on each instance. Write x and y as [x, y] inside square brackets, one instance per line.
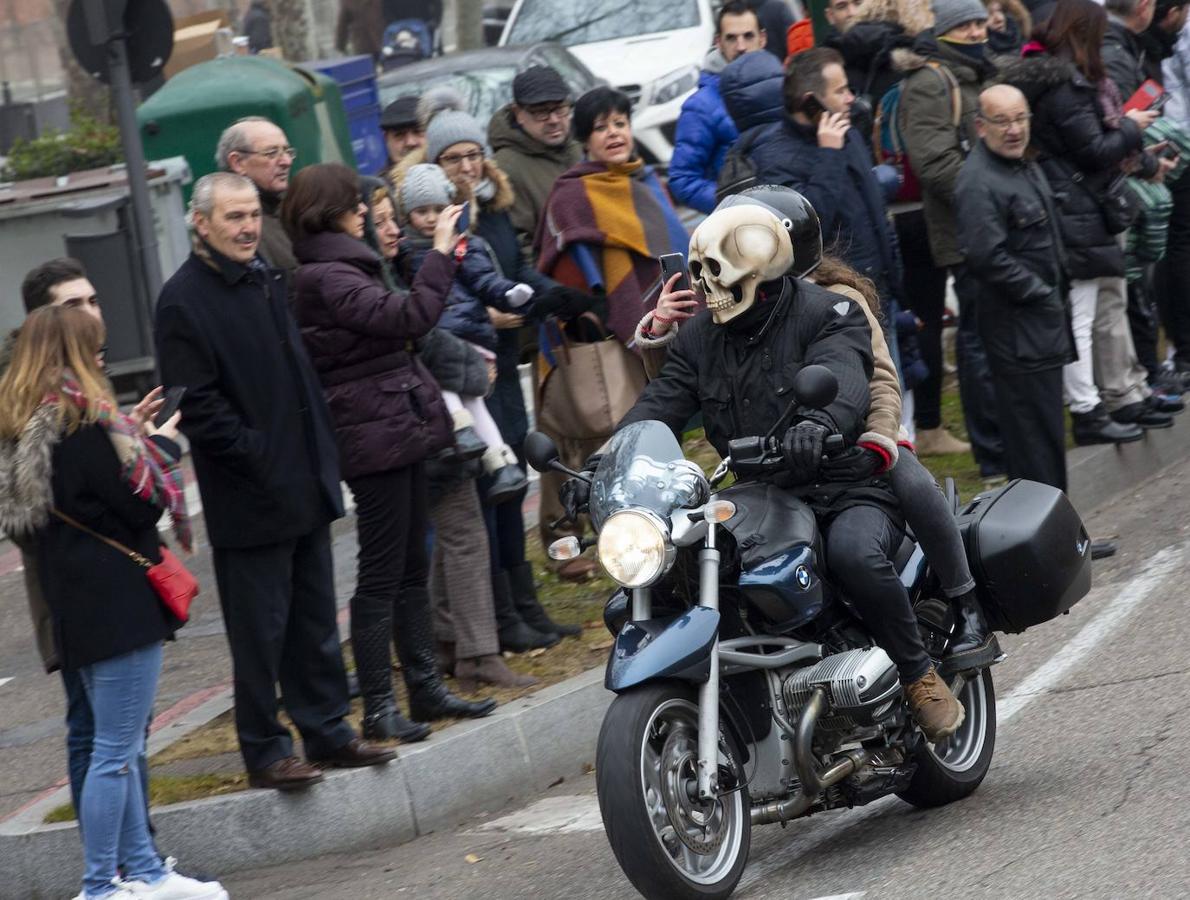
[735, 363]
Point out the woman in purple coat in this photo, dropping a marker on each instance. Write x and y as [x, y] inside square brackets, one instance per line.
[389, 417]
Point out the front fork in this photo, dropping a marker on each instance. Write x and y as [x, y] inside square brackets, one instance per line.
[708, 692]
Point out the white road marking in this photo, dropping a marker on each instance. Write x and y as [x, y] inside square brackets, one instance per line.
[551, 815]
[854, 895]
[4, 681]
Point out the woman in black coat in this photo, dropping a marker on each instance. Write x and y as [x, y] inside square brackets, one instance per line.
[389, 417]
[1086, 144]
[76, 473]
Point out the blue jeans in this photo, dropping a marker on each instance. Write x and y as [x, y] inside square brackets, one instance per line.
[115, 827]
[80, 735]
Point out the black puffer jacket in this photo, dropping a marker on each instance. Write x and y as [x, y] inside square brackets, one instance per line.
[1080, 156]
[1123, 57]
[1012, 247]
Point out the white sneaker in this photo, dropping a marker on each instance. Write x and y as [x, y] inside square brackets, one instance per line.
[120, 893]
[174, 887]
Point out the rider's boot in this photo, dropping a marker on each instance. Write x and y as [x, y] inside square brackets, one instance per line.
[973, 644]
[936, 709]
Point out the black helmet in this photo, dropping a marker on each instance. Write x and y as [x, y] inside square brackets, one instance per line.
[795, 213]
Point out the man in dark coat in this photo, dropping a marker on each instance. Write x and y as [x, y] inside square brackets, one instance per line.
[264, 453]
[258, 27]
[816, 152]
[736, 363]
[1123, 53]
[1013, 250]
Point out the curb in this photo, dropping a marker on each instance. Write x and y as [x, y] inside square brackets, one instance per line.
[465, 770]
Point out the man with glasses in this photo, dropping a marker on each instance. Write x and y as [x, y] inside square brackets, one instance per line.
[1014, 262]
[705, 132]
[532, 143]
[257, 149]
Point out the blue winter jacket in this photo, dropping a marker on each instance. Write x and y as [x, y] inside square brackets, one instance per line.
[751, 87]
[704, 134]
[842, 189]
[478, 284]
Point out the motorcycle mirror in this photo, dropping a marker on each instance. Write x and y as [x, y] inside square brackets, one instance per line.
[540, 451]
[816, 387]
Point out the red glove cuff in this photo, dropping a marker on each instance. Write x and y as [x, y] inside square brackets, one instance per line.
[884, 455]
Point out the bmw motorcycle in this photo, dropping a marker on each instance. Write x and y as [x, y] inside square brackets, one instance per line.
[748, 690]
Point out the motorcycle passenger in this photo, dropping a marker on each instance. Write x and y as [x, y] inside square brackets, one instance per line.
[735, 363]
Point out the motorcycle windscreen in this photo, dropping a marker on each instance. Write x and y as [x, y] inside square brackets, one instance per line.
[644, 468]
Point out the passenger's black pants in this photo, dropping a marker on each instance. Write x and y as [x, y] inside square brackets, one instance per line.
[279, 608]
[1034, 427]
[860, 545]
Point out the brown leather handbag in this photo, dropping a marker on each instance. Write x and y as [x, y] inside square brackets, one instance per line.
[591, 386]
[172, 581]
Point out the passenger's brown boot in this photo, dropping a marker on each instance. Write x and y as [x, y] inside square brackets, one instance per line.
[936, 709]
[491, 669]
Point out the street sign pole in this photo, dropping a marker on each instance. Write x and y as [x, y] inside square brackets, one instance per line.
[134, 158]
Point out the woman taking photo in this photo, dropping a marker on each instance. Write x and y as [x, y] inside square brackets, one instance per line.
[389, 417]
[76, 474]
[1086, 144]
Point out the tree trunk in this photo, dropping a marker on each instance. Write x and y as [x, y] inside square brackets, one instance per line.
[291, 29]
[470, 28]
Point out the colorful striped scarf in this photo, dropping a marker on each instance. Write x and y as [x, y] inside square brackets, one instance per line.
[604, 226]
[144, 466]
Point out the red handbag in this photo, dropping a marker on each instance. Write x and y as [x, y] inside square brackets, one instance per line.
[172, 581]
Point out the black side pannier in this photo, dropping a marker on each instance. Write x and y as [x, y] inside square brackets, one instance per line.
[1029, 552]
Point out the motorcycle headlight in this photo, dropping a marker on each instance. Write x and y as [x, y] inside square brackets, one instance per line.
[634, 548]
[674, 85]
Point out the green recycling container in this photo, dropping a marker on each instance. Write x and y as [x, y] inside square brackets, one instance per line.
[187, 115]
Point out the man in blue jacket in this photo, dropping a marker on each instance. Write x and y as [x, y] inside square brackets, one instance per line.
[705, 132]
[816, 152]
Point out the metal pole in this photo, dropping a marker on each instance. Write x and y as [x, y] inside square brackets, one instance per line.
[144, 235]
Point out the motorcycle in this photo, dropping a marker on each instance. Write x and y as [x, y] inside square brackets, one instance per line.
[748, 690]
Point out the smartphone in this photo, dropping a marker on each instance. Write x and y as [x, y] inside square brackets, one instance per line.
[812, 107]
[1146, 97]
[672, 263]
[1159, 103]
[1170, 152]
[173, 399]
[464, 218]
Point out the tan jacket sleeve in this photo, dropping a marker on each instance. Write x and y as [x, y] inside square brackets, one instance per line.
[884, 407]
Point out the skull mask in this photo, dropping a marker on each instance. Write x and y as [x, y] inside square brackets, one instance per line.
[733, 251]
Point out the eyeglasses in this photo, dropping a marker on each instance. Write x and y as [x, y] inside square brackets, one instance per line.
[1004, 124]
[457, 159]
[273, 153]
[540, 114]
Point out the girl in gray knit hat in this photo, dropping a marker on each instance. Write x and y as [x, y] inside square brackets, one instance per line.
[425, 192]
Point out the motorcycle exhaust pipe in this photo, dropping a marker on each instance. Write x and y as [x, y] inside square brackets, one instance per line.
[813, 782]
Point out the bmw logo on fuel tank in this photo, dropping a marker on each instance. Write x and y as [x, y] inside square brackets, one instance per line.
[802, 574]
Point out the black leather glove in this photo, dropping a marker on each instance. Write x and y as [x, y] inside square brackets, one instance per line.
[575, 493]
[802, 449]
[853, 464]
[562, 302]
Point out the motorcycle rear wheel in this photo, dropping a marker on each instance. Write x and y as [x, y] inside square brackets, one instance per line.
[643, 774]
[953, 768]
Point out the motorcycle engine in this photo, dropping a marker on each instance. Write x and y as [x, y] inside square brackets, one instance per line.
[861, 688]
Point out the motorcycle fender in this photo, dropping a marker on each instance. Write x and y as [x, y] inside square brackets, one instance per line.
[663, 648]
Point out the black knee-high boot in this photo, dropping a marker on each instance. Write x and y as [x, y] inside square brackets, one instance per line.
[382, 719]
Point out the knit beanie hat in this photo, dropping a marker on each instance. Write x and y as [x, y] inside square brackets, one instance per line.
[425, 185]
[451, 127]
[950, 14]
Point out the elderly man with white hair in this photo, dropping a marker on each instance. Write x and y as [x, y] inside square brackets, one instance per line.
[257, 149]
[264, 453]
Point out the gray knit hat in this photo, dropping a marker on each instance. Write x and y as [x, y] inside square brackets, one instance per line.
[950, 14]
[453, 126]
[425, 185]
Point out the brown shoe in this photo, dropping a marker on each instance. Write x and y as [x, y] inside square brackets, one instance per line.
[288, 774]
[491, 669]
[938, 441]
[936, 709]
[356, 754]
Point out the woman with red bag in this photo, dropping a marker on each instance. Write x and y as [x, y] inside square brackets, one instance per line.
[78, 474]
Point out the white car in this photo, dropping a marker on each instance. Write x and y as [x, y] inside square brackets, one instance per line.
[652, 50]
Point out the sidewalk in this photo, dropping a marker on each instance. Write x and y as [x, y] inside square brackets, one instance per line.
[462, 771]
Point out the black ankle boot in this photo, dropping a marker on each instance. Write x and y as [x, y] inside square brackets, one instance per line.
[515, 635]
[973, 644]
[429, 698]
[524, 598]
[382, 720]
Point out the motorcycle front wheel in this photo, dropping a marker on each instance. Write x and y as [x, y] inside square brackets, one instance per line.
[669, 844]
